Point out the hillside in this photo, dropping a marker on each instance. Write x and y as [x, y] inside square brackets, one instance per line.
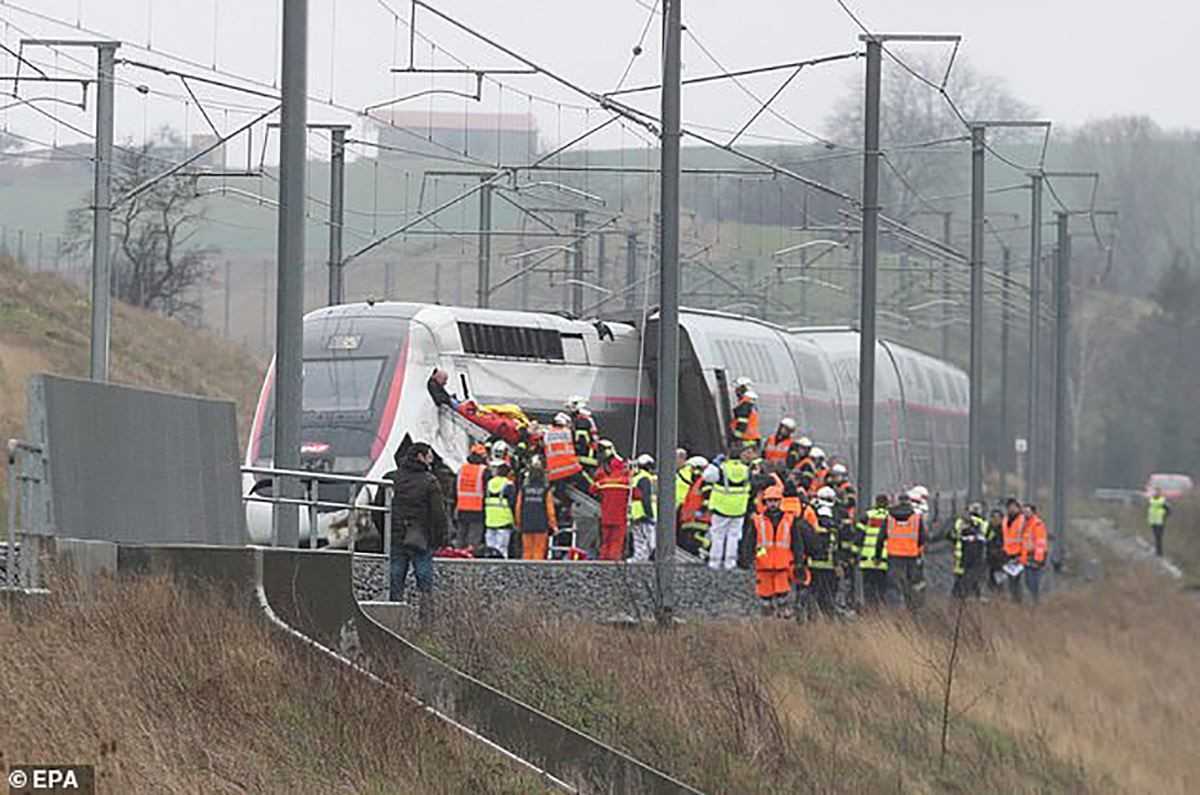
[44, 324]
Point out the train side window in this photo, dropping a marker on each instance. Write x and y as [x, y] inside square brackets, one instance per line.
[518, 342]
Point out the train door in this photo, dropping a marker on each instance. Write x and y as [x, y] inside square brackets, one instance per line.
[701, 423]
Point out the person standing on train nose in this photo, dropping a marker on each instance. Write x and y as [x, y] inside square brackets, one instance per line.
[728, 501]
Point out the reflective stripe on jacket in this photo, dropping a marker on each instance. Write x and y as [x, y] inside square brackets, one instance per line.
[1034, 541]
[903, 536]
[1156, 511]
[470, 487]
[644, 482]
[561, 459]
[777, 448]
[731, 493]
[826, 535]
[1013, 530]
[961, 536]
[744, 425]
[873, 552]
[774, 551]
[497, 509]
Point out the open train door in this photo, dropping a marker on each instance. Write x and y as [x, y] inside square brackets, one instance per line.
[700, 428]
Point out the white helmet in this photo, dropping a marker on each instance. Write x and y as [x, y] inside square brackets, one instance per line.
[817, 453]
[919, 493]
[681, 452]
[499, 448]
[562, 419]
[743, 383]
[788, 422]
[645, 461]
[606, 444]
[576, 402]
[826, 495]
[697, 461]
[804, 441]
[839, 469]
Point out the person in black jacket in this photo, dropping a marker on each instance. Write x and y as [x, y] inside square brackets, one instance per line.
[419, 519]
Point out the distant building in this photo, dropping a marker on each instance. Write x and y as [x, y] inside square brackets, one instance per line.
[503, 137]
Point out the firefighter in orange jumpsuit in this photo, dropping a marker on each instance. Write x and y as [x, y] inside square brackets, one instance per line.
[779, 553]
[612, 486]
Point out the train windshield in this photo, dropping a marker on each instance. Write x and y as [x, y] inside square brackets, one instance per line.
[349, 367]
[341, 385]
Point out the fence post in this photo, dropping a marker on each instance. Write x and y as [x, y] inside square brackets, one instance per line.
[10, 560]
[387, 538]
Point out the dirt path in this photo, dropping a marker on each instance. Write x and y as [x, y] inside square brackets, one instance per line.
[1127, 546]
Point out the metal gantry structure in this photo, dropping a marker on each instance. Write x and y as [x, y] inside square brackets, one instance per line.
[667, 127]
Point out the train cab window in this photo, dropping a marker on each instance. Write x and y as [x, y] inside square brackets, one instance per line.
[517, 342]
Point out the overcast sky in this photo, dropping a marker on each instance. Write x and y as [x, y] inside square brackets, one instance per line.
[1072, 60]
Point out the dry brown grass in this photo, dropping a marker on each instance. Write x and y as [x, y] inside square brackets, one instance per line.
[172, 691]
[1093, 693]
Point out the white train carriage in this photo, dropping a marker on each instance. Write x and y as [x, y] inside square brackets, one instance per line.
[366, 367]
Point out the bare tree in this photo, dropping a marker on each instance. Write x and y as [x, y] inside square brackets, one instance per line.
[1149, 177]
[156, 262]
[912, 112]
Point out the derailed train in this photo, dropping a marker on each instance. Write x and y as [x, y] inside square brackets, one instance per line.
[366, 365]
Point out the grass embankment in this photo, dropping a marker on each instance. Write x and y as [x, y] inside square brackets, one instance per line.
[1182, 539]
[1092, 693]
[171, 691]
[45, 326]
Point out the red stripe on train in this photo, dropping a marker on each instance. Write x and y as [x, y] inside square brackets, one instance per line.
[393, 401]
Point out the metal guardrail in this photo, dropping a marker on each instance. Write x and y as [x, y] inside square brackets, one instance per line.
[25, 464]
[311, 482]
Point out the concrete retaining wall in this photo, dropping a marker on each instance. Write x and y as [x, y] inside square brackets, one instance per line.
[580, 589]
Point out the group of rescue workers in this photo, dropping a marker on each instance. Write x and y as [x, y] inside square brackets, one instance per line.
[778, 505]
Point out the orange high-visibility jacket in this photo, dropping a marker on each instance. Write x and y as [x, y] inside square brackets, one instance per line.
[903, 536]
[744, 425]
[561, 459]
[1013, 530]
[692, 511]
[774, 543]
[777, 448]
[1034, 541]
[470, 487]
